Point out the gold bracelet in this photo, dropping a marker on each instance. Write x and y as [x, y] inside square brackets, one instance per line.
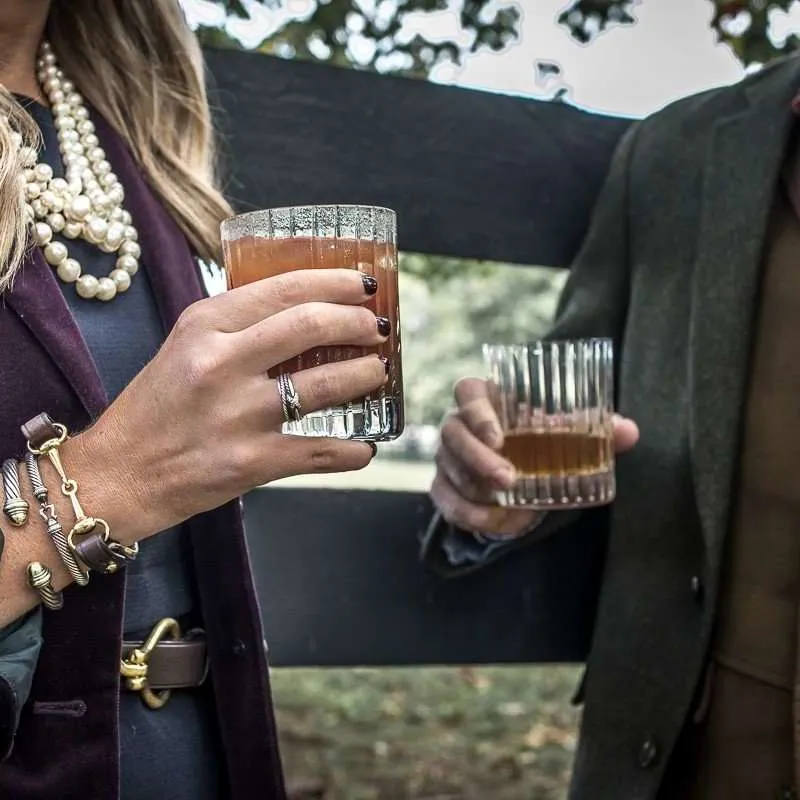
[96, 549]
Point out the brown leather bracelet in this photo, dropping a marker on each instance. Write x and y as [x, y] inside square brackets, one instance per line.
[90, 538]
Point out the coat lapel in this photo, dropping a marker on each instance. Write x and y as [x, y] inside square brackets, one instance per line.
[743, 162]
[39, 302]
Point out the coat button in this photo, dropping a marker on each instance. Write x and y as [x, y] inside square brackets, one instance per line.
[648, 753]
[697, 587]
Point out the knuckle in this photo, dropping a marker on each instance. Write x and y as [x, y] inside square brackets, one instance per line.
[324, 458]
[202, 362]
[309, 321]
[191, 320]
[324, 387]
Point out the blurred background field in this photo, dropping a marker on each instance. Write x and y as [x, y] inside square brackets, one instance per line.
[490, 733]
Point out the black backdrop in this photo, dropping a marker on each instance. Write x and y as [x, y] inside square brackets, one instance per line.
[471, 174]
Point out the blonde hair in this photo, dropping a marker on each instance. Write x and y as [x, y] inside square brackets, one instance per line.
[141, 67]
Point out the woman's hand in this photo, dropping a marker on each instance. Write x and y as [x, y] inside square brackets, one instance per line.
[201, 422]
[470, 468]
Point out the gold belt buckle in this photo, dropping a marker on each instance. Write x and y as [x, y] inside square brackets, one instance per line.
[134, 668]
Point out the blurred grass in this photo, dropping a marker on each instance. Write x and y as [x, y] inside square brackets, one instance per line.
[488, 733]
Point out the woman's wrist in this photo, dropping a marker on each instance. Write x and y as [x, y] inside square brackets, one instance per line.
[109, 487]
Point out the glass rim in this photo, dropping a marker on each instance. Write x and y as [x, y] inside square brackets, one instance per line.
[547, 342]
[275, 209]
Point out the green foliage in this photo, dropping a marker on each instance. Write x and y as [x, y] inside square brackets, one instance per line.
[743, 24]
[327, 34]
[450, 308]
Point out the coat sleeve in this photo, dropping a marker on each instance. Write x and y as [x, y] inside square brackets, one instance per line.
[594, 303]
[20, 644]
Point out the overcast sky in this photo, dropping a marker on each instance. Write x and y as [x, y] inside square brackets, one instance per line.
[669, 53]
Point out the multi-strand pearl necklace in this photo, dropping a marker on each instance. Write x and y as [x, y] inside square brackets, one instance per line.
[87, 202]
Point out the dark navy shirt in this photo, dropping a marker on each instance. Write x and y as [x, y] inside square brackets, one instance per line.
[170, 752]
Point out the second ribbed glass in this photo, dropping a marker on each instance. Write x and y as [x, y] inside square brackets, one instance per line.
[555, 403]
[262, 244]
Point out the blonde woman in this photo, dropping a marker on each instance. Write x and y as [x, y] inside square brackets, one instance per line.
[107, 201]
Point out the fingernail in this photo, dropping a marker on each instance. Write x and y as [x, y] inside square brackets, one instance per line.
[370, 284]
[386, 363]
[384, 326]
[374, 448]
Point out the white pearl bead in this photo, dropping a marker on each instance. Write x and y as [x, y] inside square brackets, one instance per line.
[74, 98]
[29, 214]
[43, 233]
[65, 123]
[38, 208]
[85, 127]
[127, 219]
[59, 186]
[32, 190]
[116, 215]
[91, 140]
[69, 270]
[121, 279]
[95, 230]
[81, 113]
[60, 109]
[55, 253]
[51, 85]
[50, 200]
[87, 286]
[116, 231]
[116, 194]
[68, 87]
[129, 264]
[79, 208]
[131, 233]
[96, 154]
[43, 172]
[56, 221]
[57, 96]
[16, 138]
[72, 230]
[87, 175]
[106, 289]
[108, 180]
[102, 167]
[91, 187]
[68, 136]
[130, 249]
[74, 186]
[48, 57]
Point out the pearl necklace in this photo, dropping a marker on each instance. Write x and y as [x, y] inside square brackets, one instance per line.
[87, 203]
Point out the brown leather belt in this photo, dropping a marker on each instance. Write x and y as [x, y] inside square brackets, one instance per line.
[177, 664]
[158, 665]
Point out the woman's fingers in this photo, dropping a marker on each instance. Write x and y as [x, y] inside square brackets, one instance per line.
[248, 305]
[332, 384]
[301, 455]
[295, 330]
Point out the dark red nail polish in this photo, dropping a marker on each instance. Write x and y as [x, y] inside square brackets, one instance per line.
[386, 363]
[374, 448]
[384, 326]
[370, 284]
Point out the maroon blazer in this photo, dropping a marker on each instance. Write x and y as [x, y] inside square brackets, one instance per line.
[66, 745]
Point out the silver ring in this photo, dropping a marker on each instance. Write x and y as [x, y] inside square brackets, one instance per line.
[290, 400]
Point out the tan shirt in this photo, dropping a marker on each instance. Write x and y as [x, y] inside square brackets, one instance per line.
[745, 739]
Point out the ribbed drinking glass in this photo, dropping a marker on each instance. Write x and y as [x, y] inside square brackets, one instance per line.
[262, 244]
[555, 403]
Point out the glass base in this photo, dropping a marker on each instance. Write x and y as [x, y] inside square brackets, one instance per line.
[369, 421]
[554, 492]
